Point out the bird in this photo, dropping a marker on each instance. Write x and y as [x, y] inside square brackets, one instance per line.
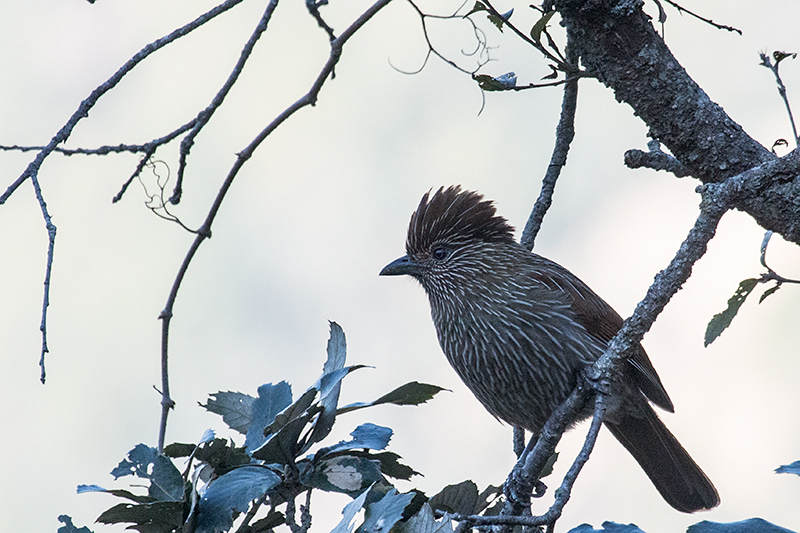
[519, 329]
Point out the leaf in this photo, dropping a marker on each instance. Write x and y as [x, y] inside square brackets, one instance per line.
[233, 492]
[283, 447]
[793, 468]
[369, 436]
[272, 399]
[273, 519]
[608, 527]
[235, 408]
[69, 527]
[751, 525]
[477, 7]
[349, 513]
[154, 517]
[179, 449]
[497, 20]
[458, 499]
[487, 497]
[768, 292]
[424, 522]
[384, 514]
[120, 493]
[337, 354]
[722, 320]
[412, 393]
[390, 465]
[345, 473]
[166, 483]
[540, 25]
[780, 56]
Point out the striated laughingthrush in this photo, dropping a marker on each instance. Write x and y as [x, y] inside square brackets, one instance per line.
[518, 329]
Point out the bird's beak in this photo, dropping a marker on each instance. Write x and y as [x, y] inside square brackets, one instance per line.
[399, 267]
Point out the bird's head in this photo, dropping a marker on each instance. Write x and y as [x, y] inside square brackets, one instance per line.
[446, 233]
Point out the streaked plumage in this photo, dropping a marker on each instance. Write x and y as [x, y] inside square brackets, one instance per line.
[518, 328]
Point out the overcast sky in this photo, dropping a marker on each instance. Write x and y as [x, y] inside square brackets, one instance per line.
[322, 207]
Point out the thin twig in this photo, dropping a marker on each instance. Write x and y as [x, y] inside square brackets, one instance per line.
[205, 115]
[51, 242]
[707, 21]
[85, 106]
[766, 62]
[309, 99]
[565, 132]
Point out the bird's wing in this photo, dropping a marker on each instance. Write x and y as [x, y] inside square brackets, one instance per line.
[603, 323]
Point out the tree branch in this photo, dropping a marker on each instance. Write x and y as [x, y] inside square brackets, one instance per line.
[242, 157]
[618, 44]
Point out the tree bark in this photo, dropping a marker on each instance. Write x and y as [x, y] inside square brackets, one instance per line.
[618, 45]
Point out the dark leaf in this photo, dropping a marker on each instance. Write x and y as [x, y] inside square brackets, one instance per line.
[540, 25]
[384, 514]
[412, 393]
[751, 525]
[488, 83]
[497, 20]
[608, 527]
[233, 492]
[368, 436]
[425, 522]
[69, 527]
[119, 493]
[793, 468]
[722, 320]
[487, 497]
[458, 499]
[296, 410]
[780, 56]
[477, 7]
[166, 483]
[391, 465]
[283, 447]
[768, 292]
[662, 15]
[272, 399]
[156, 517]
[236, 409]
[349, 513]
[348, 474]
[337, 354]
[179, 449]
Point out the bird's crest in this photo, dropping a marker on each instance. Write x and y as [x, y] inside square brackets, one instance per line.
[453, 216]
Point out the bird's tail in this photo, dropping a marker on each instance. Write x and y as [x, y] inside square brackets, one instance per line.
[673, 472]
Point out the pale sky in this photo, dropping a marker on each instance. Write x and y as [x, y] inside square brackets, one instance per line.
[321, 207]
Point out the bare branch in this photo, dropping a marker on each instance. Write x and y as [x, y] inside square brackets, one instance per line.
[766, 62]
[655, 158]
[682, 9]
[51, 239]
[565, 132]
[204, 232]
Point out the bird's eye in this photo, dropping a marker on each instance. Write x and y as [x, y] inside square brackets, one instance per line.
[440, 253]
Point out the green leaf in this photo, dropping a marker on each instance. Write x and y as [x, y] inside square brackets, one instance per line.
[768, 292]
[235, 408]
[283, 447]
[487, 497]
[166, 483]
[540, 25]
[412, 393]
[425, 522]
[368, 436]
[780, 56]
[608, 527]
[119, 493]
[497, 20]
[349, 513]
[273, 519]
[179, 449]
[477, 7]
[459, 499]
[751, 525]
[793, 468]
[69, 527]
[348, 474]
[231, 493]
[272, 399]
[158, 517]
[384, 514]
[722, 320]
[337, 354]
